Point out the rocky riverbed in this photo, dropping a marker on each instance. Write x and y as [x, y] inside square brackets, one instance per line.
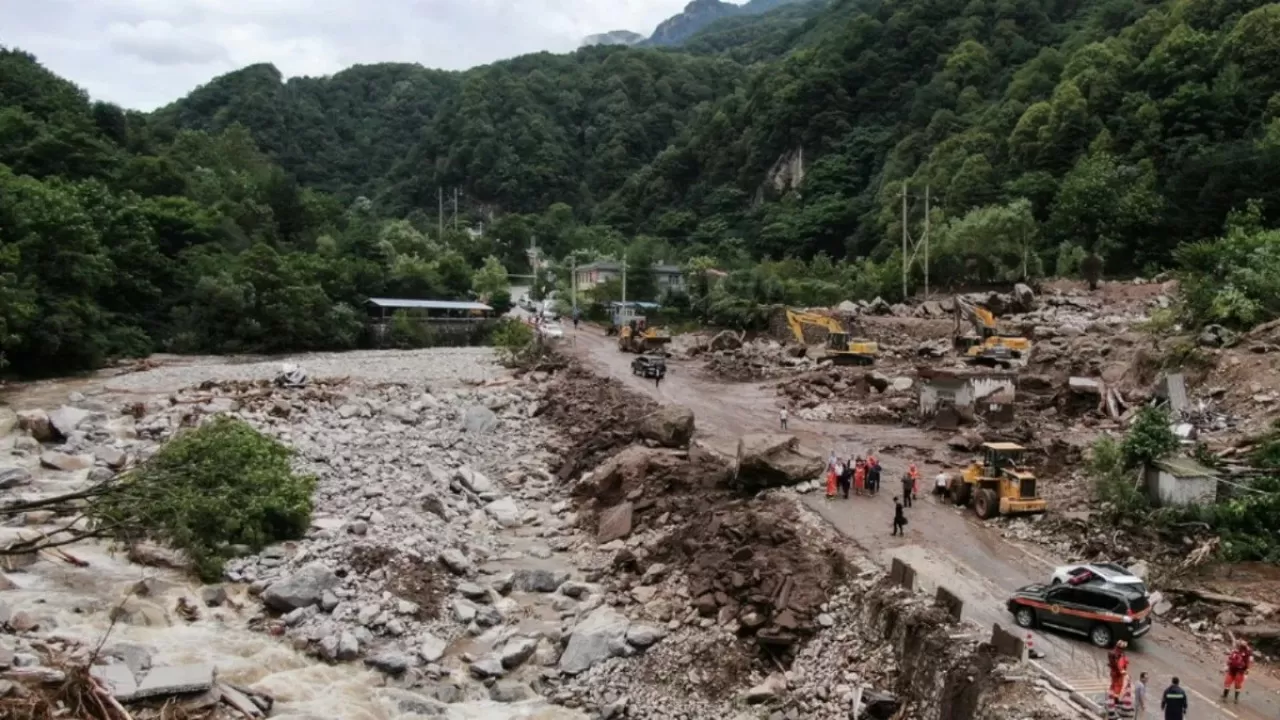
[483, 545]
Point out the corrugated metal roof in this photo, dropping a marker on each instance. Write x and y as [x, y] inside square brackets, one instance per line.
[1184, 467]
[428, 304]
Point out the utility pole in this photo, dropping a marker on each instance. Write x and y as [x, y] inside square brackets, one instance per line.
[906, 239]
[624, 283]
[926, 242]
[911, 248]
[455, 209]
[573, 285]
[440, 214]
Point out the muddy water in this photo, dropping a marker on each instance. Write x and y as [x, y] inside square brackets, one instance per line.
[77, 602]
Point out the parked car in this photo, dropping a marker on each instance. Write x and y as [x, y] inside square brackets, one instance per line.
[1097, 572]
[1101, 612]
[550, 330]
[649, 366]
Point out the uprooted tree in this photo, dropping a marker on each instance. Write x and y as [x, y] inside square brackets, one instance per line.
[210, 492]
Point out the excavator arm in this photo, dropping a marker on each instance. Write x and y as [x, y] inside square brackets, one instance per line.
[980, 319]
[797, 320]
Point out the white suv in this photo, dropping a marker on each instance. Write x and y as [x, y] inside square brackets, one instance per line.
[1102, 572]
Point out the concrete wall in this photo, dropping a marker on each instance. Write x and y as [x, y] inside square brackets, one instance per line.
[1166, 490]
[970, 396]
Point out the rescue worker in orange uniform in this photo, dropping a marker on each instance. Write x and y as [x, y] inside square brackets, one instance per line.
[1238, 663]
[1118, 664]
[914, 473]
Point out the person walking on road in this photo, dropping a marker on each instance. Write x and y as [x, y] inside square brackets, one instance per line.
[907, 484]
[1174, 702]
[941, 482]
[914, 472]
[873, 474]
[657, 379]
[859, 477]
[1238, 663]
[1140, 696]
[846, 478]
[782, 418]
[899, 518]
[1118, 665]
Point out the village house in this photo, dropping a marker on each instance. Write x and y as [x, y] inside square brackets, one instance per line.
[666, 277]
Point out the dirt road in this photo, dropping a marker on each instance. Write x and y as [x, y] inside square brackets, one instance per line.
[946, 545]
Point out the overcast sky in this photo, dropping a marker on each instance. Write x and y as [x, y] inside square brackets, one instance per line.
[146, 53]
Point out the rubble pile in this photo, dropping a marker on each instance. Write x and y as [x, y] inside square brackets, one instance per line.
[759, 359]
[850, 394]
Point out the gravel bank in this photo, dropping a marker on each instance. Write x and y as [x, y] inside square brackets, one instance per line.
[436, 365]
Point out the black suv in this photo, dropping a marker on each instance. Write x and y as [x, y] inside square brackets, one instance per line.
[1102, 612]
[649, 366]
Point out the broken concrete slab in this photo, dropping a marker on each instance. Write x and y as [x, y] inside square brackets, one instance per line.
[66, 419]
[118, 679]
[175, 680]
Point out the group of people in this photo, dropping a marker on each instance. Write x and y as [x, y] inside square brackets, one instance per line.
[862, 477]
[1127, 698]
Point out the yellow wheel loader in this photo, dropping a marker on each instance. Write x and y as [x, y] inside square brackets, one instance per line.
[999, 485]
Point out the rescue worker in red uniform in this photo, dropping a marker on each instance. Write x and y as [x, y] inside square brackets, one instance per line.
[1238, 663]
[1118, 663]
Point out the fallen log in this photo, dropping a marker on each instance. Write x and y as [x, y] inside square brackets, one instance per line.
[1265, 608]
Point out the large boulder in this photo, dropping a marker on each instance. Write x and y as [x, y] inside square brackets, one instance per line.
[36, 422]
[66, 419]
[11, 477]
[769, 460]
[302, 589]
[671, 426]
[1024, 298]
[598, 637]
[615, 523]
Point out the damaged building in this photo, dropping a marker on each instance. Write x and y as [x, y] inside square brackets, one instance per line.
[950, 398]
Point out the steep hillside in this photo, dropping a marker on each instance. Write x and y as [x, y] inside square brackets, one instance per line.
[517, 135]
[755, 38]
[613, 37]
[699, 14]
[1125, 128]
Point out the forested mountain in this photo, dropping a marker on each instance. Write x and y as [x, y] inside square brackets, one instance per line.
[1126, 127]
[517, 135]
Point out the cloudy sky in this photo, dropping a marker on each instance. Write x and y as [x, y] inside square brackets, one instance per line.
[146, 53]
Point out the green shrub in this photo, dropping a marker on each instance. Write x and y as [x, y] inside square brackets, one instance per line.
[1149, 439]
[212, 487]
[1114, 484]
[514, 340]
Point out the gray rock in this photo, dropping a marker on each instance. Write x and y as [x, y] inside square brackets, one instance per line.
[576, 590]
[403, 414]
[328, 601]
[66, 419]
[669, 426]
[593, 640]
[463, 611]
[431, 502]
[536, 580]
[213, 595]
[487, 667]
[517, 651]
[431, 648]
[37, 423]
[479, 420]
[303, 588]
[65, 462]
[510, 691]
[642, 636]
[488, 616]
[118, 679]
[503, 583]
[472, 591]
[329, 647]
[615, 523]
[504, 510]
[476, 482]
[113, 458]
[14, 477]
[348, 647]
[455, 562]
[391, 663]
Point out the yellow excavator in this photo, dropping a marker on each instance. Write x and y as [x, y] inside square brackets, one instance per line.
[986, 346]
[840, 348]
[635, 336]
